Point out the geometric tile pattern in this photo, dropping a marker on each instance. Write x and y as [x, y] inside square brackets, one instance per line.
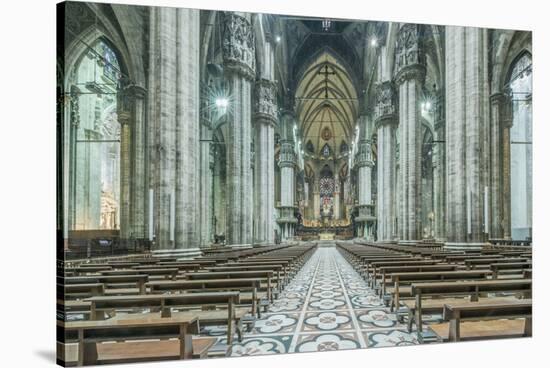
[327, 306]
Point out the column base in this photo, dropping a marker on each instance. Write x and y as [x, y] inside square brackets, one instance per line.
[462, 246]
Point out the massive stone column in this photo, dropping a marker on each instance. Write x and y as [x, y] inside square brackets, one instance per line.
[124, 115]
[386, 121]
[336, 198]
[131, 116]
[138, 176]
[501, 121]
[363, 163]
[174, 127]
[239, 66]
[265, 116]
[410, 73]
[438, 160]
[188, 130]
[207, 184]
[467, 122]
[287, 163]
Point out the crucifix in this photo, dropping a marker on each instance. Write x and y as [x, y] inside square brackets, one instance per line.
[326, 73]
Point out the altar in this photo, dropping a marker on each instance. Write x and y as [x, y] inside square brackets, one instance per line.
[326, 236]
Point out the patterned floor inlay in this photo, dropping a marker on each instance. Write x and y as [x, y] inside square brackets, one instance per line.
[327, 306]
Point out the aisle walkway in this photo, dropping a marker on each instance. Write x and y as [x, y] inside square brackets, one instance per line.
[327, 306]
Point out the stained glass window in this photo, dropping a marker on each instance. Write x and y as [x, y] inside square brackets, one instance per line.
[326, 186]
[309, 147]
[344, 148]
[326, 150]
[110, 70]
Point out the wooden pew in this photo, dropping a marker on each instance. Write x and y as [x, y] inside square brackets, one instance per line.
[180, 266]
[498, 313]
[122, 264]
[193, 262]
[279, 270]
[385, 271]
[463, 288]
[80, 291]
[486, 262]
[83, 269]
[165, 272]
[113, 280]
[372, 267]
[248, 288]
[408, 278]
[88, 333]
[263, 275]
[513, 266]
[215, 307]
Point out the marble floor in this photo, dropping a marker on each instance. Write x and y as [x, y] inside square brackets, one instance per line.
[327, 306]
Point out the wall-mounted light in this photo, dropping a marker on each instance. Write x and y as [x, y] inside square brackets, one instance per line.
[278, 39]
[221, 102]
[374, 42]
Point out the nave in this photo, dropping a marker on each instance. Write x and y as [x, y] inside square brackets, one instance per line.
[328, 306]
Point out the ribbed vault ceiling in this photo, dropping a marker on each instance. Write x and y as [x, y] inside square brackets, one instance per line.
[326, 100]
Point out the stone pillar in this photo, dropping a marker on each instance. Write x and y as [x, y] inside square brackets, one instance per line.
[187, 227]
[287, 163]
[124, 115]
[439, 168]
[385, 119]
[206, 186]
[316, 201]
[467, 122]
[337, 199]
[174, 126]
[265, 116]
[364, 164]
[239, 66]
[501, 119]
[410, 73]
[137, 182]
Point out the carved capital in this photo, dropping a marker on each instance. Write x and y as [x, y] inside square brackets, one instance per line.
[503, 102]
[410, 72]
[238, 46]
[385, 110]
[287, 158]
[410, 60]
[124, 117]
[136, 91]
[364, 154]
[265, 104]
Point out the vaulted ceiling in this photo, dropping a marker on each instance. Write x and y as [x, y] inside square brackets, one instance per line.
[326, 104]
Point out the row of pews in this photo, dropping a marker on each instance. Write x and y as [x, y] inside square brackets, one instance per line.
[480, 294]
[153, 308]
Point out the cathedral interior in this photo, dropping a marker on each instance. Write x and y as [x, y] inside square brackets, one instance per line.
[201, 134]
[191, 128]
